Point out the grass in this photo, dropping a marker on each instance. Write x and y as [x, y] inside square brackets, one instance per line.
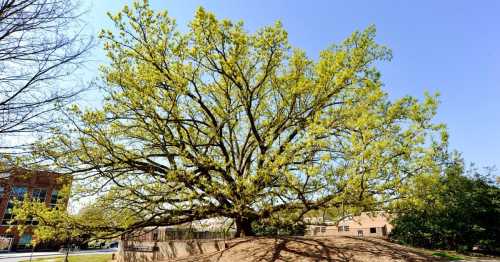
[77, 258]
[447, 256]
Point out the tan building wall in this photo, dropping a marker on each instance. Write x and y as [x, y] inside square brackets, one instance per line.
[369, 224]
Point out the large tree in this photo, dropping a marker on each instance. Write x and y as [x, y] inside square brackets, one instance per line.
[217, 121]
[41, 42]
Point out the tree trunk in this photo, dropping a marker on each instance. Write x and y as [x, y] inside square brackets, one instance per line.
[243, 227]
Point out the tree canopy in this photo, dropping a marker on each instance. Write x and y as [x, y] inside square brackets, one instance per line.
[218, 121]
[457, 210]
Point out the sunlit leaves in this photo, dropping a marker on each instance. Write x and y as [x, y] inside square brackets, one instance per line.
[219, 121]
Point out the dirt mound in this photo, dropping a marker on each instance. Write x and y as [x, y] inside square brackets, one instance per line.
[313, 249]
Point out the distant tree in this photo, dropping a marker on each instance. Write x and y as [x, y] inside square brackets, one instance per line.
[458, 210]
[40, 42]
[217, 121]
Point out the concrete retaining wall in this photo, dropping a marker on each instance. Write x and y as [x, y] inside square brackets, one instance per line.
[130, 251]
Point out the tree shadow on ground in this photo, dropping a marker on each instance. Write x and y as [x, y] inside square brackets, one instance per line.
[317, 249]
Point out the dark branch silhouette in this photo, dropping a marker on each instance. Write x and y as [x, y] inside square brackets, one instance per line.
[41, 41]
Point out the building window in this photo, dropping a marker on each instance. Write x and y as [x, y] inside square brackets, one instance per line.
[17, 193]
[155, 235]
[7, 216]
[32, 221]
[323, 229]
[6, 241]
[373, 230]
[53, 198]
[24, 241]
[39, 194]
[2, 191]
[343, 228]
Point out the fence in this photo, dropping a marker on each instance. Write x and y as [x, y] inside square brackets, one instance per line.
[168, 234]
[184, 235]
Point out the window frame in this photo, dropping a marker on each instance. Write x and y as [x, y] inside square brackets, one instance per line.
[54, 198]
[13, 195]
[37, 197]
[343, 228]
[22, 240]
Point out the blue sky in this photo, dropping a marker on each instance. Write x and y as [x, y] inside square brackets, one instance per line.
[452, 47]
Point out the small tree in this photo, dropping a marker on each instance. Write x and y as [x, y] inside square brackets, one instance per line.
[43, 221]
[221, 122]
[58, 225]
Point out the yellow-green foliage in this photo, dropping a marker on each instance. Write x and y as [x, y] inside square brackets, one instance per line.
[56, 223]
[219, 121]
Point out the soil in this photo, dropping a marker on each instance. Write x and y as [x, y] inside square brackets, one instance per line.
[313, 249]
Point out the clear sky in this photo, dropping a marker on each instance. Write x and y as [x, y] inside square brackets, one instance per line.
[451, 46]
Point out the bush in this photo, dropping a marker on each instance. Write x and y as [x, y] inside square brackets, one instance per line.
[278, 229]
[464, 213]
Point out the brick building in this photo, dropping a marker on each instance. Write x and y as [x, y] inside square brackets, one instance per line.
[17, 183]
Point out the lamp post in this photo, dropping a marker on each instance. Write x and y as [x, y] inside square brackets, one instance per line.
[68, 239]
[33, 242]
